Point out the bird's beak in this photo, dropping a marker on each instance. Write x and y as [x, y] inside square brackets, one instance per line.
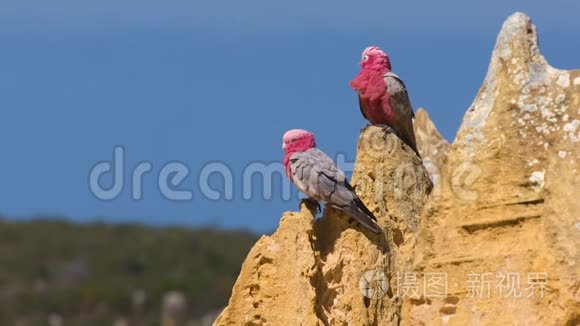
[284, 146]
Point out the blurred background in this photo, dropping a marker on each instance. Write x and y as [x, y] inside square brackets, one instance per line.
[196, 83]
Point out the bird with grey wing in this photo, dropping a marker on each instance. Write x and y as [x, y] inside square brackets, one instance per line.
[382, 96]
[315, 174]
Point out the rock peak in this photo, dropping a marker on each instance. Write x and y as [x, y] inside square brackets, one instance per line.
[517, 23]
[516, 60]
[431, 144]
[505, 198]
[517, 33]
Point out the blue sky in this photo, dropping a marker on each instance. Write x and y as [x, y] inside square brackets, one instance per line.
[220, 81]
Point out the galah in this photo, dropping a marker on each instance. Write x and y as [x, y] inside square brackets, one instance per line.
[315, 174]
[382, 96]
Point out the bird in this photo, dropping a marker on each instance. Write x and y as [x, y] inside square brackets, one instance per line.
[315, 174]
[382, 96]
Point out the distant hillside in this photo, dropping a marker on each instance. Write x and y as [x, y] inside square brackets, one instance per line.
[92, 274]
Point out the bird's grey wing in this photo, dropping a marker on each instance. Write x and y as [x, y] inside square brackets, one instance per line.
[403, 111]
[315, 174]
[361, 106]
[397, 88]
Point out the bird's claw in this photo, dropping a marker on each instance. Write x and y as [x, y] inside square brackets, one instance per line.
[365, 127]
[311, 202]
[387, 129]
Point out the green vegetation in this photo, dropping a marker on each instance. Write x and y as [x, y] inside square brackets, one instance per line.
[91, 274]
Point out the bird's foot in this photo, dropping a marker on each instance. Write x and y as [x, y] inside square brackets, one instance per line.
[311, 204]
[387, 129]
[365, 127]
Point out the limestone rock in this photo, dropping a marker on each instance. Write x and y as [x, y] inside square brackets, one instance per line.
[432, 146]
[274, 284]
[310, 271]
[506, 211]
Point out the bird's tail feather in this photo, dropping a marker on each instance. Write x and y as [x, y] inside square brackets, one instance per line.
[364, 219]
[361, 213]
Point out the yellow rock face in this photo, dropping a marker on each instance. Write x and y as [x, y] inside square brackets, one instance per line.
[504, 218]
[432, 146]
[495, 242]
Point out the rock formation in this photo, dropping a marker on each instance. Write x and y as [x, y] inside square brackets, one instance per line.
[506, 218]
[432, 146]
[309, 271]
[498, 244]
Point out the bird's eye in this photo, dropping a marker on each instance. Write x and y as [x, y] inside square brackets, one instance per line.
[365, 58]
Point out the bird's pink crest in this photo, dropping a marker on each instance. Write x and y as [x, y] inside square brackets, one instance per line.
[298, 140]
[376, 59]
[369, 81]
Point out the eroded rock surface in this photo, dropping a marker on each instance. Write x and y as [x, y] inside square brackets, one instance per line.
[432, 146]
[505, 216]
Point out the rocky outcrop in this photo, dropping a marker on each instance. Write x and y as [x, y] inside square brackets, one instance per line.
[496, 243]
[504, 228]
[432, 146]
[312, 271]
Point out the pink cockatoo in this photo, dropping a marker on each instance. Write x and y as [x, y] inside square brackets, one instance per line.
[315, 174]
[382, 96]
